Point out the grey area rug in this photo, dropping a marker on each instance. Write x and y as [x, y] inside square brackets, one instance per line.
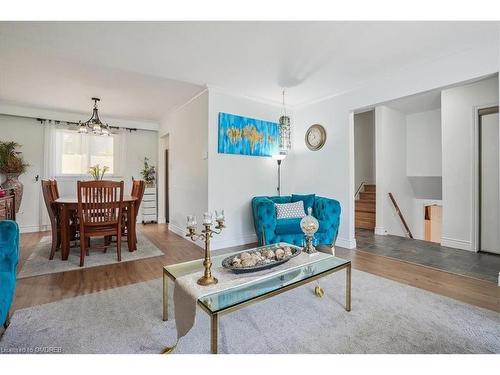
[386, 317]
[38, 262]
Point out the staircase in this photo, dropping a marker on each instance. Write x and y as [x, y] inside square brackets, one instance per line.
[365, 208]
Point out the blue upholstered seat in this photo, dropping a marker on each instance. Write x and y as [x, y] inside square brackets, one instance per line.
[9, 255]
[271, 230]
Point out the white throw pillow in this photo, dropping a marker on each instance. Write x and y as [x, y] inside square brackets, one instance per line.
[290, 210]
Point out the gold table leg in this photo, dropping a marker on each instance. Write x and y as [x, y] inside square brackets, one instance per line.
[348, 288]
[214, 332]
[165, 296]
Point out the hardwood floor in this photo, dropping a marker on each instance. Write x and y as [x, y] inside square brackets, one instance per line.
[48, 288]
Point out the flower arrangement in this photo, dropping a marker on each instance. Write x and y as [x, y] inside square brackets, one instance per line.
[148, 173]
[97, 172]
[11, 161]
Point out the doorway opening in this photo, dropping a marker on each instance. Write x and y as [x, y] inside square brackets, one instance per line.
[488, 187]
[437, 180]
[364, 171]
[167, 200]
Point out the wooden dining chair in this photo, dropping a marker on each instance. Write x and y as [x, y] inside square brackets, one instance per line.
[48, 197]
[138, 188]
[100, 205]
[54, 189]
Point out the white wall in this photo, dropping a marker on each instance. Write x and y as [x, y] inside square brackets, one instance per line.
[364, 148]
[458, 107]
[29, 133]
[423, 142]
[330, 171]
[187, 131]
[235, 179]
[390, 129]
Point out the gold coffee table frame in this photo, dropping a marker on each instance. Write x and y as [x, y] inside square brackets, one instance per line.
[214, 316]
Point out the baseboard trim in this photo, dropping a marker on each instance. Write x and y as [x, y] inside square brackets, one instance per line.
[224, 242]
[380, 231]
[33, 228]
[456, 244]
[182, 232]
[217, 243]
[345, 243]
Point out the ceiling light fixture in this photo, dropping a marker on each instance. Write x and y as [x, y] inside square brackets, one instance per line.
[285, 129]
[94, 123]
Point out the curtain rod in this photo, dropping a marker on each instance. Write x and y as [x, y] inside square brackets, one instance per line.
[43, 120]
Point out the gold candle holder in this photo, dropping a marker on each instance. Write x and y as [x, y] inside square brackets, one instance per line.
[206, 234]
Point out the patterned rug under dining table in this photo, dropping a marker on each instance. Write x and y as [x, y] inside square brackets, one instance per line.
[68, 204]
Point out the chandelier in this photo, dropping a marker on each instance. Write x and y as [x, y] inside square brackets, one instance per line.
[94, 124]
[284, 128]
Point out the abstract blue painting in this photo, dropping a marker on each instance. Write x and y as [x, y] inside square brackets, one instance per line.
[247, 136]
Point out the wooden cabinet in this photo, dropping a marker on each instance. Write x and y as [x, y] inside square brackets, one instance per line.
[7, 208]
[149, 206]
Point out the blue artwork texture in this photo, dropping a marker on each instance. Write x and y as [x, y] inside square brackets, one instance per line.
[247, 136]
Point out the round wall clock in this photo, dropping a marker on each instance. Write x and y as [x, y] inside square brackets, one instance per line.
[315, 137]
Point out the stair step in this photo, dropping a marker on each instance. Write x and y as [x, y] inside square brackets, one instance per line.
[364, 225]
[365, 206]
[367, 195]
[366, 220]
[370, 188]
[366, 216]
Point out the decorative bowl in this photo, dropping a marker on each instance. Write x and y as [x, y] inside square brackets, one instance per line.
[273, 262]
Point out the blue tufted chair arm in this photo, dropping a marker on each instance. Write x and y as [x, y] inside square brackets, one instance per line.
[328, 211]
[264, 218]
[9, 245]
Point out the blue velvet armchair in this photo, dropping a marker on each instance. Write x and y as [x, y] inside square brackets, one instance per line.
[9, 256]
[271, 230]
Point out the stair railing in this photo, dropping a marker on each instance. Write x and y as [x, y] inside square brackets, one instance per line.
[398, 211]
[359, 188]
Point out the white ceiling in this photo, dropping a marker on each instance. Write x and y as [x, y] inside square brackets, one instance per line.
[144, 69]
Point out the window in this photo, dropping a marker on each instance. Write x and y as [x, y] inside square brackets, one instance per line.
[76, 153]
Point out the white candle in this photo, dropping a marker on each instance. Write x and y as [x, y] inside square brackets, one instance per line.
[207, 218]
[191, 221]
[219, 215]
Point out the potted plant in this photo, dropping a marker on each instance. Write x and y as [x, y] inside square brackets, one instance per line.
[97, 172]
[12, 165]
[148, 173]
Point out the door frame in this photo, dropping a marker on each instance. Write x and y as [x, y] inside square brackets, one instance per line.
[167, 183]
[476, 172]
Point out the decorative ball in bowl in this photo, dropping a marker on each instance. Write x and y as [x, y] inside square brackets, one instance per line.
[261, 258]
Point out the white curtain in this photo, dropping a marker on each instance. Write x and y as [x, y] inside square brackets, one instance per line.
[49, 166]
[49, 151]
[119, 154]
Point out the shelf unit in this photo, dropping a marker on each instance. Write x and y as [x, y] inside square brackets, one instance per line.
[149, 206]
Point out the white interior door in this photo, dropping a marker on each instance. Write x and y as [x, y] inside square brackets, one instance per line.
[490, 187]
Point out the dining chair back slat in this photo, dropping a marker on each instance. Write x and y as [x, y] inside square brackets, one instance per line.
[50, 194]
[100, 206]
[100, 202]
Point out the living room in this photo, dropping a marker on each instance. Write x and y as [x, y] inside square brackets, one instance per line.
[189, 187]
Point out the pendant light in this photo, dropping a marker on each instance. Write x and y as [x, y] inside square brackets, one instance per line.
[285, 129]
[94, 124]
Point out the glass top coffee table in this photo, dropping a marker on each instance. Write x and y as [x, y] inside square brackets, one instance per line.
[235, 298]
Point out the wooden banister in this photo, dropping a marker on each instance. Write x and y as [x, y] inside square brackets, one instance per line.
[398, 211]
[359, 188]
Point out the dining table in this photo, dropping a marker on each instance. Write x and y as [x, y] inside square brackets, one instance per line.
[69, 204]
